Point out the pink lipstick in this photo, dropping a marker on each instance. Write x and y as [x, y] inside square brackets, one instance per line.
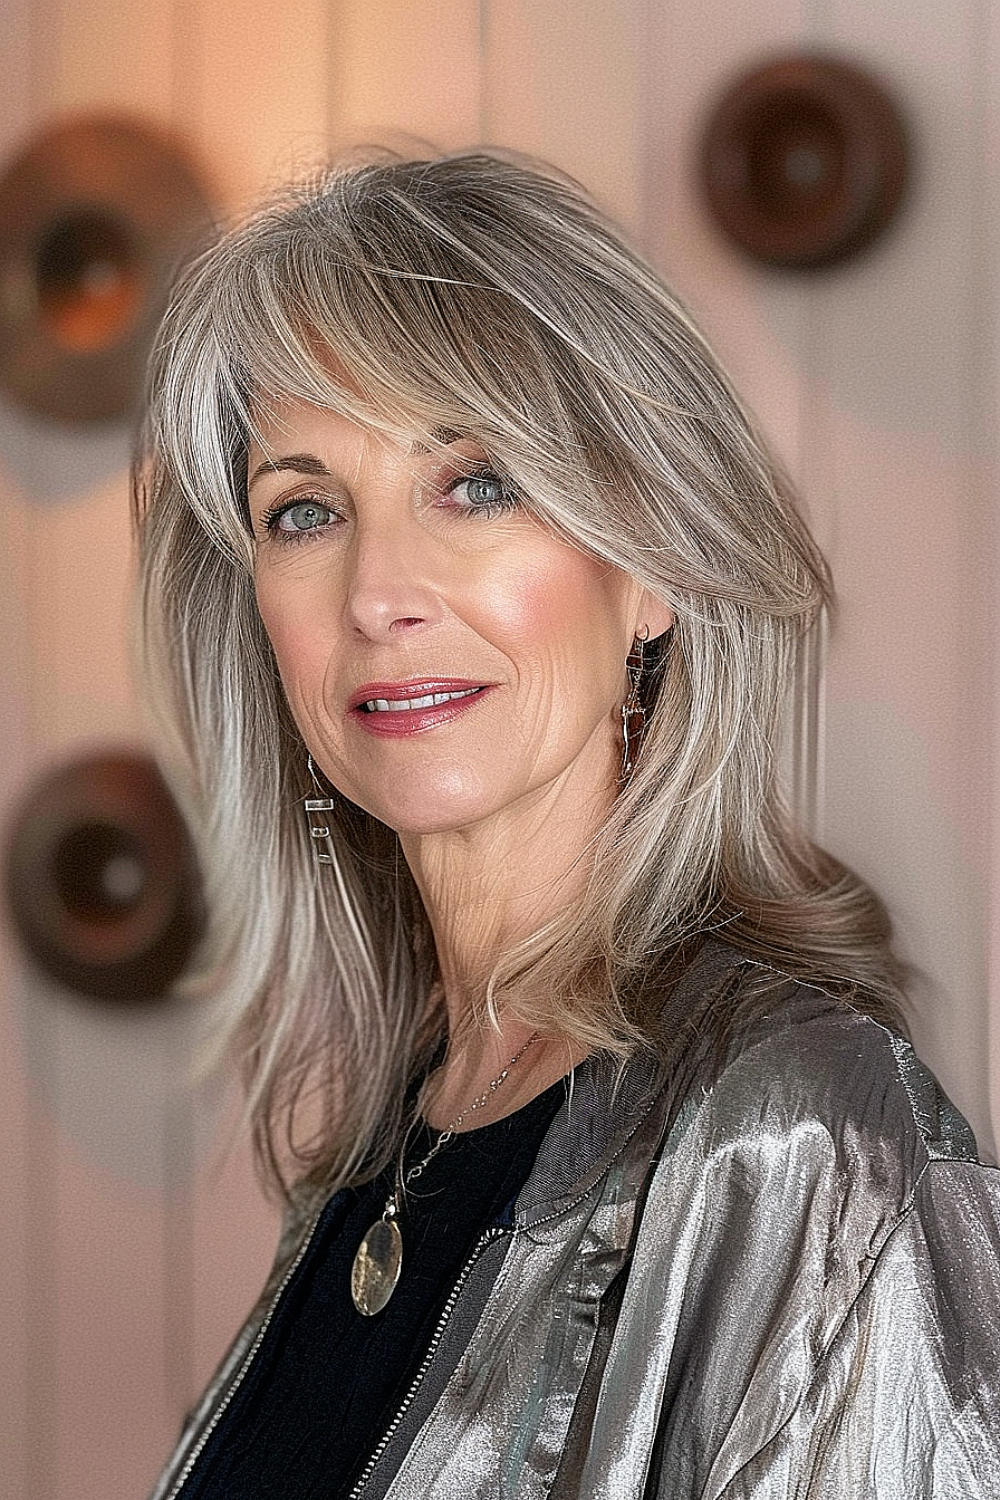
[391, 710]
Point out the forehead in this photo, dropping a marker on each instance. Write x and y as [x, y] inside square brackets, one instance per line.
[285, 420]
[309, 432]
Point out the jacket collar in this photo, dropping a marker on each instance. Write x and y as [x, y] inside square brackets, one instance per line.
[608, 1103]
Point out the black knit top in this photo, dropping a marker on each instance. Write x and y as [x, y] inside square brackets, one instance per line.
[326, 1381]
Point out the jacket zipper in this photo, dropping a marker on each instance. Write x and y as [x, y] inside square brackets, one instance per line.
[248, 1359]
[495, 1233]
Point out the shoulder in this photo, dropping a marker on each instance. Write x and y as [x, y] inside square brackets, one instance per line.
[821, 1131]
[816, 1229]
[806, 1067]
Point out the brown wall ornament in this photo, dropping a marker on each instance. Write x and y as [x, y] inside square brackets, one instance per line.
[101, 879]
[95, 215]
[804, 161]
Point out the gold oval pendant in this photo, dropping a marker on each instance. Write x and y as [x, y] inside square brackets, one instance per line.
[376, 1267]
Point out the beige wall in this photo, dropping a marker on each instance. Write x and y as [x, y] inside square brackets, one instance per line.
[129, 1246]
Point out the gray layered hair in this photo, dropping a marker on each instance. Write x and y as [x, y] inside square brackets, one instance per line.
[480, 294]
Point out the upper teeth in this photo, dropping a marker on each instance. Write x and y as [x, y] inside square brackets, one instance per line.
[400, 705]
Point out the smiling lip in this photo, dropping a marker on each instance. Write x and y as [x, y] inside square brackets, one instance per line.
[393, 709]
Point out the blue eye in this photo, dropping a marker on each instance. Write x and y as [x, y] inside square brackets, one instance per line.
[485, 493]
[485, 490]
[302, 516]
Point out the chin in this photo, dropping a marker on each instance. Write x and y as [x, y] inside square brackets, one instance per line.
[425, 822]
[419, 807]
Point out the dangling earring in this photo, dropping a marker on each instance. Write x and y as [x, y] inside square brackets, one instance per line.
[633, 711]
[319, 829]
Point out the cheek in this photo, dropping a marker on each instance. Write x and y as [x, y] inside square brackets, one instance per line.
[295, 640]
[544, 597]
[566, 614]
[277, 625]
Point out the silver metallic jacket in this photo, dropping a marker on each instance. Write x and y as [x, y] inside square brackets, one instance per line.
[788, 1288]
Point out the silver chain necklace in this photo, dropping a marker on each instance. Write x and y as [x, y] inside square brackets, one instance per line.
[379, 1260]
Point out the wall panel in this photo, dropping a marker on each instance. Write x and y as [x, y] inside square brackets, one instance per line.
[865, 379]
[259, 90]
[110, 1390]
[684, 69]
[405, 75]
[562, 83]
[131, 1243]
[989, 424]
[101, 1232]
[101, 57]
[28, 1339]
[907, 757]
[78, 620]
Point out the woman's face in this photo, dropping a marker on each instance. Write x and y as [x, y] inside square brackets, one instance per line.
[447, 659]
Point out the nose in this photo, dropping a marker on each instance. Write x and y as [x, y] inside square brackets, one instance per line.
[389, 586]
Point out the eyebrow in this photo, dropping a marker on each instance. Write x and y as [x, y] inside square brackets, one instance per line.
[298, 463]
[444, 436]
[307, 463]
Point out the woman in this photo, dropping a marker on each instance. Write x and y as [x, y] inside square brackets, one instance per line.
[472, 596]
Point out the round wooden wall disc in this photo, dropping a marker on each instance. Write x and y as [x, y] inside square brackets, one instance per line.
[101, 879]
[804, 161]
[95, 216]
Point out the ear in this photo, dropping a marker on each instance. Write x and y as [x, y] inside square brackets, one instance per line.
[652, 617]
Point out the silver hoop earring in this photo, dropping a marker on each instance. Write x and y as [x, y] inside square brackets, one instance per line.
[633, 710]
[319, 828]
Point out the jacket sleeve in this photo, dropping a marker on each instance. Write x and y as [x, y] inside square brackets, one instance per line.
[814, 1307]
[904, 1404]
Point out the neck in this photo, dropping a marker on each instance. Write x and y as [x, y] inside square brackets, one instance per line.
[485, 889]
[488, 888]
